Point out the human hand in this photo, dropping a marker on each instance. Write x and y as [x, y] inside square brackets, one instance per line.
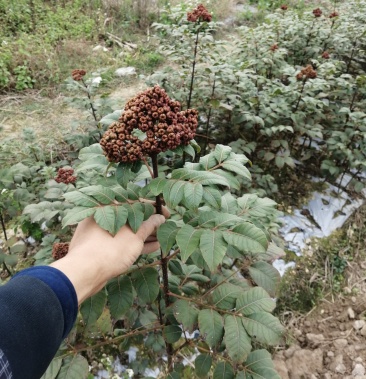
[95, 256]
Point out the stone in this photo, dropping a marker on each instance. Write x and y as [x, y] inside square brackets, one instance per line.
[125, 71]
[337, 365]
[359, 324]
[363, 331]
[299, 364]
[351, 313]
[100, 47]
[340, 343]
[290, 351]
[314, 340]
[358, 370]
[281, 368]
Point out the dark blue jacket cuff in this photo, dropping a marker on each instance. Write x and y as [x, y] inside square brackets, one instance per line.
[61, 286]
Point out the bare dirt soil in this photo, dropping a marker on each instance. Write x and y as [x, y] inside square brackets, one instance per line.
[330, 341]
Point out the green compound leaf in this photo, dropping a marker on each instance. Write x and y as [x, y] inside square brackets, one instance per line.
[175, 193]
[225, 295]
[266, 276]
[77, 214]
[135, 215]
[166, 236]
[247, 238]
[254, 300]
[80, 199]
[92, 308]
[103, 195]
[53, 369]
[124, 173]
[146, 284]
[203, 365]
[252, 205]
[172, 333]
[75, 367]
[121, 215]
[237, 341]
[193, 193]
[105, 217]
[203, 177]
[186, 314]
[222, 152]
[236, 167]
[213, 248]
[120, 194]
[212, 196]
[147, 318]
[259, 365]
[120, 296]
[188, 239]
[211, 326]
[263, 327]
[223, 370]
[157, 186]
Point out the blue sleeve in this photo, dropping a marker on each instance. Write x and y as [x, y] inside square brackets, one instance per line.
[38, 308]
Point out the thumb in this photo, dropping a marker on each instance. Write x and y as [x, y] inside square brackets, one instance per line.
[150, 226]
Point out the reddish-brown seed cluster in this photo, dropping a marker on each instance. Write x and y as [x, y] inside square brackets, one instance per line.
[59, 250]
[65, 175]
[325, 55]
[161, 120]
[274, 47]
[199, 14]
[306, 73]
[284, 7]
[334, 14]
[78, 74]
[317, 12]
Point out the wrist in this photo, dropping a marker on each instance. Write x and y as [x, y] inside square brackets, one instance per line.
[85, 275]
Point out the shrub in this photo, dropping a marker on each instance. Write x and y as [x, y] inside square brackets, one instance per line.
[251, 88]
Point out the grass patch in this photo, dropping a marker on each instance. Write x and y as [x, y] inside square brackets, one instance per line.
[323, 270]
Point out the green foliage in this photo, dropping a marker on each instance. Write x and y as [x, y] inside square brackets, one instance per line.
[253, 95]
[215, 245]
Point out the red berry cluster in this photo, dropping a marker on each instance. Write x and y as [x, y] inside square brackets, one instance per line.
[274, 47]
[160, 118]
[325, 55]
[317, 12]
[306, 73]
[334, 14]
[65, 175]
[284, 7]
[78, 74]
[59, 250]
[199, 14]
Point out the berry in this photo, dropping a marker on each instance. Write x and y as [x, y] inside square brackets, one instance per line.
[199, 14]
[317, 12]
[306, 73]
[65, 175]
[78, 74]
[151, 112]
[59, 250]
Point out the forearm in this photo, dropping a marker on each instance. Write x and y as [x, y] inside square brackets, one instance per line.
[86, 277]
[37, 310]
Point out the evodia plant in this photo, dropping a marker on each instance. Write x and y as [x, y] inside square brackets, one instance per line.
[212, 275]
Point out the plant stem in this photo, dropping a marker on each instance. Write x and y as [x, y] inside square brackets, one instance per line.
[300, 97]
[90, 102]
[6, 268]
[193, 70]
[164, 266]
[154, 159]
[209, 117]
